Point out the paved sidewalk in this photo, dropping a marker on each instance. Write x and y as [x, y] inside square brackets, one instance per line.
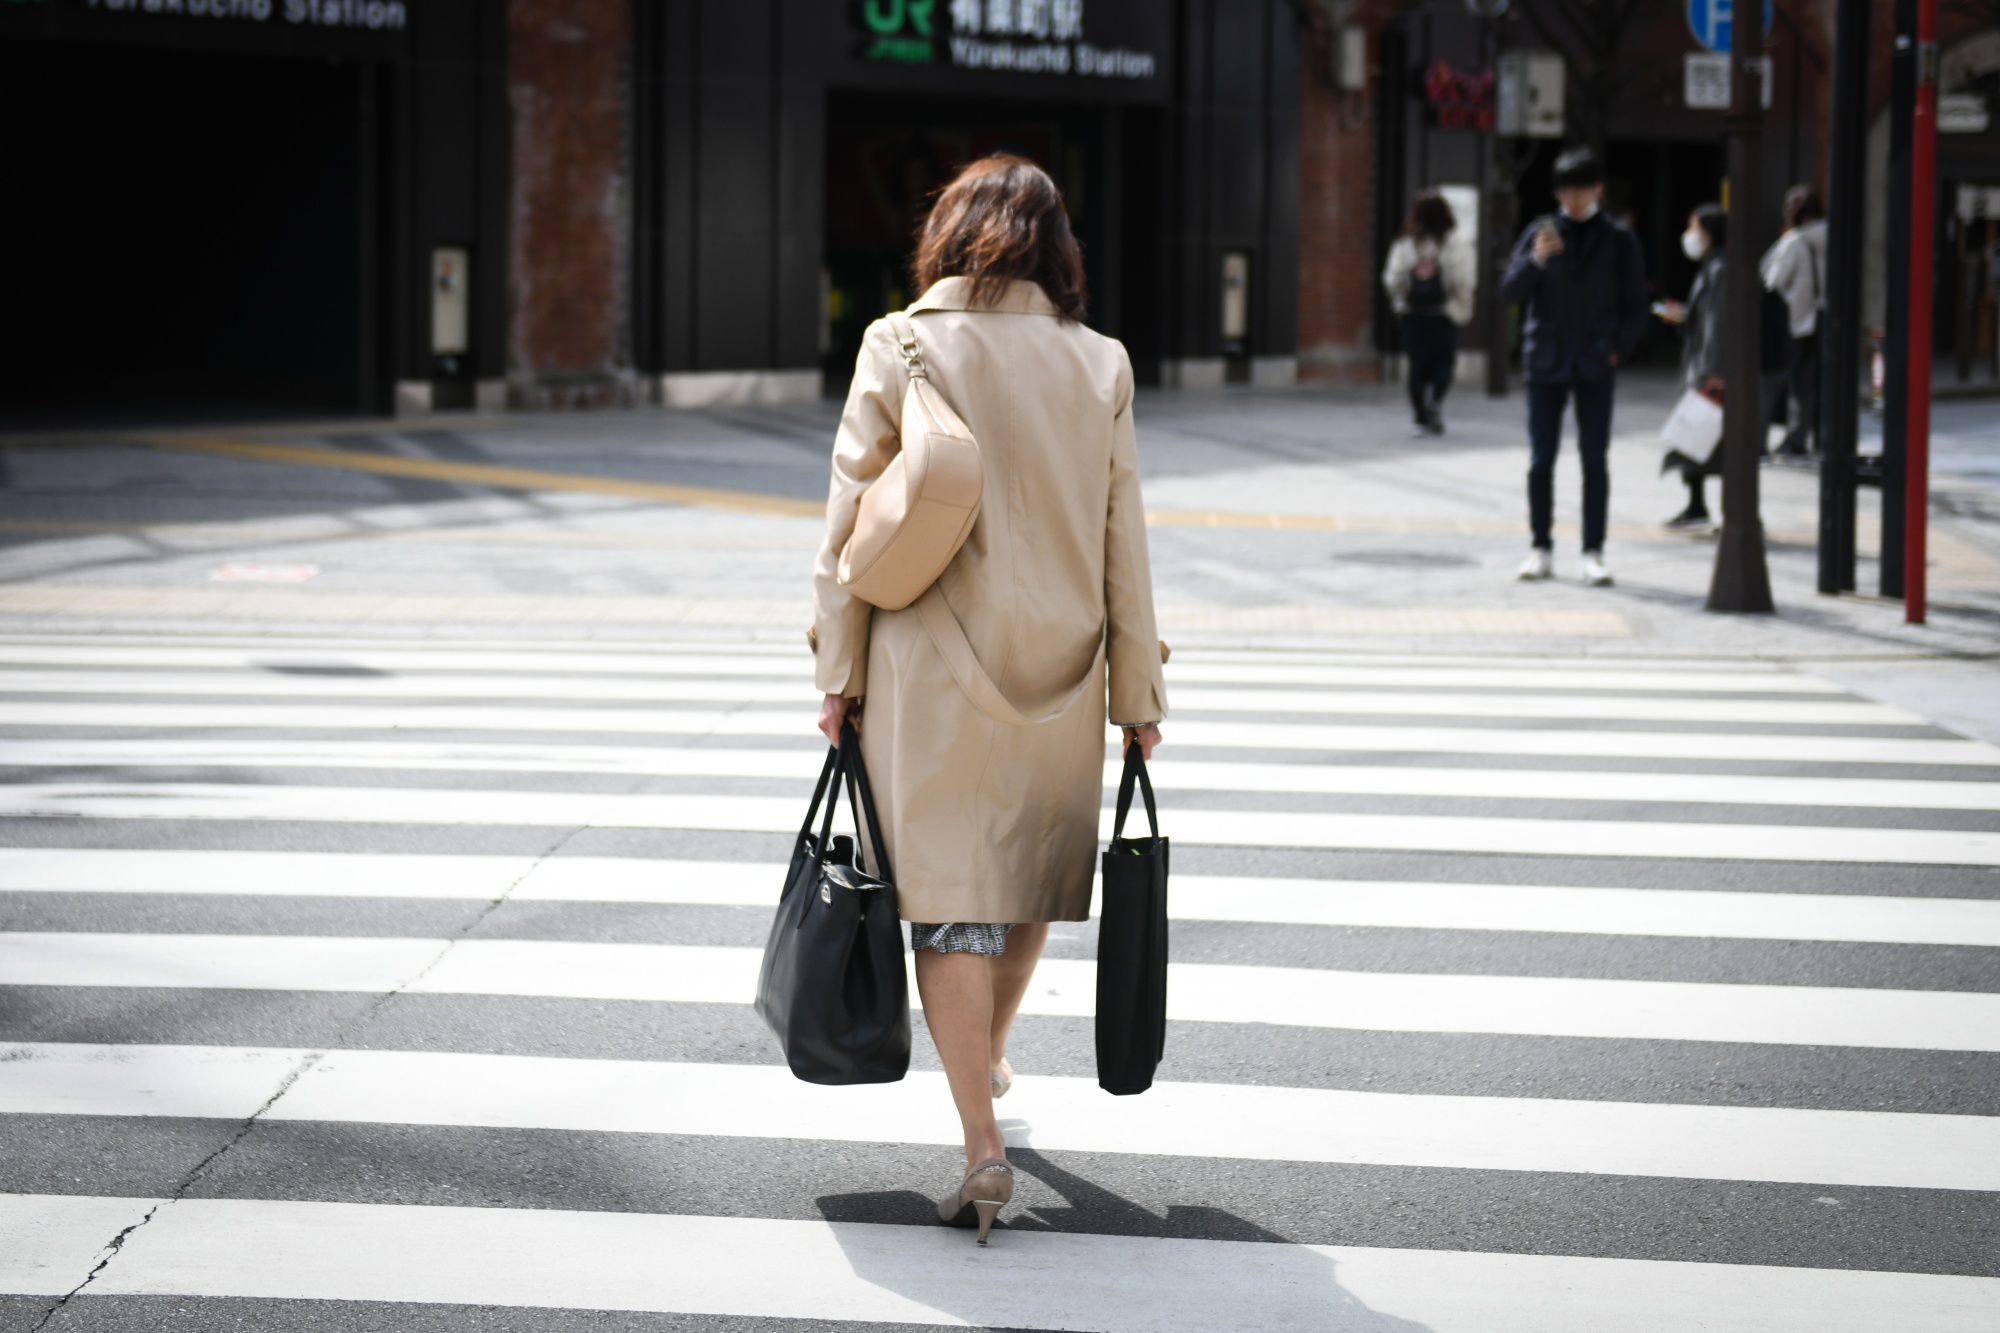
[1304, 515]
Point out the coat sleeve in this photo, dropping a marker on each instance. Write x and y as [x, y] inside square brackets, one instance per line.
[1396, 272]
[1634, 305]
[1710, 318]
[1133, 651]
[869, 436]
[1523, 277]
[1461, 279]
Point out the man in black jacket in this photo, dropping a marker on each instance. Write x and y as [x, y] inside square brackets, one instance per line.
[1582, 277]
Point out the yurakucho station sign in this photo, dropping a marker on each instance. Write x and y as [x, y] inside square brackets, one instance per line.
[1023, 36]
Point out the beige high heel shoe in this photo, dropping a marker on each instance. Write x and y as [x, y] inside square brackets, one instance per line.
[1002, 1079]
[988, 1187]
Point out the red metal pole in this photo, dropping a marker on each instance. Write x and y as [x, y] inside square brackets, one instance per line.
[1923, 236]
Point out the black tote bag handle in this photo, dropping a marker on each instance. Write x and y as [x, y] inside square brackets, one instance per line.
[826, 773]
[862, 798]
[1135, 768]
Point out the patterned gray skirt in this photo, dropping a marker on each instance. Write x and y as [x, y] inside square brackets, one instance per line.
[960, 937]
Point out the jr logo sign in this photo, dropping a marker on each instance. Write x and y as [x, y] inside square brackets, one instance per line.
[898, 30]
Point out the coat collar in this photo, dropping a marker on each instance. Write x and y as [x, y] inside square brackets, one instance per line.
[1020, 298]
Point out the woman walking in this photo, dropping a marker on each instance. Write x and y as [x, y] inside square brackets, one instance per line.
[1430, 277]
[1705, 328]
[984, 734]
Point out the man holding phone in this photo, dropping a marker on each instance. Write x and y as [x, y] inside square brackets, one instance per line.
[1582, 278]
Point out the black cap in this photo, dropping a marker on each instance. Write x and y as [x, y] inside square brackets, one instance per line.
[1578, 166]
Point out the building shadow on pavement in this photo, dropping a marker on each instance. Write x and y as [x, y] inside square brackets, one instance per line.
[1073, 1251]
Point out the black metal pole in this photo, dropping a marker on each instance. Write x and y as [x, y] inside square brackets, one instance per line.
[1840, 343]
[1493, 246]
[1896, 355]
[1742, 579]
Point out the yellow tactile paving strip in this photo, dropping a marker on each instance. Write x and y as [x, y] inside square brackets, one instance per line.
[1961, 565]
[487, 474]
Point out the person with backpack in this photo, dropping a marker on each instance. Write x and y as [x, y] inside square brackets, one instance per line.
[1794, 270]
[1431, 279]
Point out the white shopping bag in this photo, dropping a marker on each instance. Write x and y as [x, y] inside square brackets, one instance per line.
[1695, 426]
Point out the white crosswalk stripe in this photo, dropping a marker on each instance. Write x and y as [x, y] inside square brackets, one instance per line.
[552, 1259]
[196, 900]
[1196, 699]
[1857, 1148]
[1298, 669]
[1168, 774]
[1596, 743]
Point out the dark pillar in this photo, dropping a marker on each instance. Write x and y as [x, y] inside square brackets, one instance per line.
[1923, 240]
[1742, 581]
[1896, 355]
[1840, 327]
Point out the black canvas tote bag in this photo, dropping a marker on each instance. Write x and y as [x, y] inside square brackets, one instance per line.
[832, 985]
[1132, 946]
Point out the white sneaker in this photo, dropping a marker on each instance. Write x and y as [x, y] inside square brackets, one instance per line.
[1540, 564]
[1596, 574]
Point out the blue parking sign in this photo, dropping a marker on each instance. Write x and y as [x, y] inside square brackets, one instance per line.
[1708, 20]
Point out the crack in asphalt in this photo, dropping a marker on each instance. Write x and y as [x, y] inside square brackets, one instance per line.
[200, 1169]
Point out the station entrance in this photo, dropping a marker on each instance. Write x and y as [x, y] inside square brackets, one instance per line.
[886, 155]
[189, 233]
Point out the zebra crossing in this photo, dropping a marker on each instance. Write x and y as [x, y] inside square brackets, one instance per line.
[353, 983]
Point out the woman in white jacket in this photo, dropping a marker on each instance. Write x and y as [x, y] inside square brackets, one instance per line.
[1431, 281]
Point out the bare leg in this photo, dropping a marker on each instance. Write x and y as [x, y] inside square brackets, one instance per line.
[1012, 971]
[957, 990]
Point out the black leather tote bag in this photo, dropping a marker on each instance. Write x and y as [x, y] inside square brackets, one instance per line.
[832, 986]
[1132, 946]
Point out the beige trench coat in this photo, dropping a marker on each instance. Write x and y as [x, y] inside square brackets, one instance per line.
[987, 821]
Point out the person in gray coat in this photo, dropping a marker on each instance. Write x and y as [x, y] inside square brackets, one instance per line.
[1795, 268]
[1705, 337]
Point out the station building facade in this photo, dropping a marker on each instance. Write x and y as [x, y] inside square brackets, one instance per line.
[375, 205]
[247, 205]
[366, 206]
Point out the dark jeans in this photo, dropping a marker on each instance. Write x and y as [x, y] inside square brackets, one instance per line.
[1430, 342]
[1593, 441]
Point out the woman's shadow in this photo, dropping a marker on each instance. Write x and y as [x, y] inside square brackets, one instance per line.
[1098, 1261]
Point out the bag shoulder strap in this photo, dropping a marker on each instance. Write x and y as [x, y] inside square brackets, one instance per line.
[941, 417]
[948, 637]
[906, 343]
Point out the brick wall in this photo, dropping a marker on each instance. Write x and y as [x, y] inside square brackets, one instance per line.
[1336, 191]
[567, 343]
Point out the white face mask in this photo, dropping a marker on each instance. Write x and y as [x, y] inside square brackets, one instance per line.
[1694, 243]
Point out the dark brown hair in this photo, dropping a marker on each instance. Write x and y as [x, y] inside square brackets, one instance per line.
[1429, 216]
[1002, 219]
[1802, 205]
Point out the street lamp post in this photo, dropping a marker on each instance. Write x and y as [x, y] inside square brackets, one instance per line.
[1742, 580]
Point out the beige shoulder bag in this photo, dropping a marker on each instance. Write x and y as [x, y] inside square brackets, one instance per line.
[913, 520]
[916, 515]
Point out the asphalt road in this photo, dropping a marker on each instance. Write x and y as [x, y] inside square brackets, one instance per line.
[384, 857]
